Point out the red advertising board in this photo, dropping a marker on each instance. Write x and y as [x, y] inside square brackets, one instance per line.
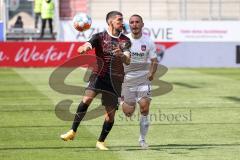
[36, 54]
[43, 54]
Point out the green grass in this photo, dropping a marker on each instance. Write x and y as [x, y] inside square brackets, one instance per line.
[198, 120]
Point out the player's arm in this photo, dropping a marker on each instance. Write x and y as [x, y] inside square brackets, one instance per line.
[84, 48]
[90, 44]
[153, 68]
[154, 61]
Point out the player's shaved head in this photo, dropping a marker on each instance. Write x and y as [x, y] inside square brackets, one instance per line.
[112, 15]
[137, 15]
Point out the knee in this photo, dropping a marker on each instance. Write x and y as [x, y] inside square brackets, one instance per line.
[109, 118]
[128, 110]
[144, 106]
[110, 115]
[144, 111]
[128, 114]
[87, 100]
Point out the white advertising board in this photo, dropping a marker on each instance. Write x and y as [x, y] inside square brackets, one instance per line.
[168, 31]
[181, 44]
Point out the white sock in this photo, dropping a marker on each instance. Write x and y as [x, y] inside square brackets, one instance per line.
[144, 125]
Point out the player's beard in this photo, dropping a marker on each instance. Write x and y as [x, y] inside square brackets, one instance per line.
[118, 31]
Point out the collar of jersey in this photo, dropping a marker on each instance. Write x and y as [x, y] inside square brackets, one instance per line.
[113, 35]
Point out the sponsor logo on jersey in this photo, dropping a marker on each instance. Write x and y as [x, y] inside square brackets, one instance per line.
[137, 54]
[143, 47]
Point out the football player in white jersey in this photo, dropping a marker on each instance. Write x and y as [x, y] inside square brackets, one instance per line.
[138, 75]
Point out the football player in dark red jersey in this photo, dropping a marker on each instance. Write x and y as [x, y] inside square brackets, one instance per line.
[112, 49]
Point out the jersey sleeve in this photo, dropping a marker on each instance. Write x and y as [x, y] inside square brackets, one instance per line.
[152, 50]
[94, 40]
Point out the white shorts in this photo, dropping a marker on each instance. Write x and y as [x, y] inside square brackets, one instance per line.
[132, 94]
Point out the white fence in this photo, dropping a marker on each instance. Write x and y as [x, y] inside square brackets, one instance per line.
[169, 9]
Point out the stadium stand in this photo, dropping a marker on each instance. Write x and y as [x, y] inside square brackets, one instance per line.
[1, 14]
[28, 32]
[68, 8]
[169, 9]
[97, 9]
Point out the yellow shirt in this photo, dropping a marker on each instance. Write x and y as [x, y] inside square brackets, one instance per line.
[47, 10]
[37, 6]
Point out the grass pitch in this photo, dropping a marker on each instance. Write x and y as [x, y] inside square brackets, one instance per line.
[198, 120]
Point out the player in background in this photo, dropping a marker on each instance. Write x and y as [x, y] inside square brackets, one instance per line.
[112, 50]
[138, 75]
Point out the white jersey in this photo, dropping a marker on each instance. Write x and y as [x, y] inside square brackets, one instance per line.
[142, 50]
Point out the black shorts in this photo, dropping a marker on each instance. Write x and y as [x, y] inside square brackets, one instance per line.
[109, 88]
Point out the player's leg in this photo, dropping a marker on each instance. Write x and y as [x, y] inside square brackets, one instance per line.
[106, 128]
[144, 120]
[89, 95]
[80, 113]
[144, 103]
[110, 101]
[82, 108]
[128, 99]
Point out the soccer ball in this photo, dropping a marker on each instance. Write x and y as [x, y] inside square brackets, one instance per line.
[82, 22]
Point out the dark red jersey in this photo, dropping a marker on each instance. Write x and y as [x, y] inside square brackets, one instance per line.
[107, 62]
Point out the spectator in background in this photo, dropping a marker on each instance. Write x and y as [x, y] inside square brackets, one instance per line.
[47, 13]
[18, 23]
[37, 11]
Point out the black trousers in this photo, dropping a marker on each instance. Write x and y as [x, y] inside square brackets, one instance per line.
[44, 25]
[37, 17]
[110, 89]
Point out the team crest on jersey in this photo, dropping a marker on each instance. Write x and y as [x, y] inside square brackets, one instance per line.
[143, 47]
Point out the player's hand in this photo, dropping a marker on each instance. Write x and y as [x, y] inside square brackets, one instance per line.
[81, 50]
[84, 48]
[118, 52]
[150, 76]
[125, 56]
